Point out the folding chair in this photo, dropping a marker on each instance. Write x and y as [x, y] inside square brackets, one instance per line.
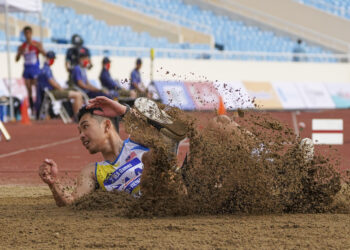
[58, 107]
[85, 96]
[4, 102]
[4, 132]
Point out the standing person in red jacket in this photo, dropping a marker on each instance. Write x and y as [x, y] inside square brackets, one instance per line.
[30, 50]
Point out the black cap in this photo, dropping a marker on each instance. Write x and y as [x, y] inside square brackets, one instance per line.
[138, 61]
[106, 60]
[50, 54]
[77, 40]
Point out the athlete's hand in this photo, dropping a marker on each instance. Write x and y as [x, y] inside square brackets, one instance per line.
[48, 171]
[109, 107]
[20, 50]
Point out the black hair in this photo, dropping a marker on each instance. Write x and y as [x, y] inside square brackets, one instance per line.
[105, 60]
[27, 28]
[84, 110]
[138, 61]
[299, 41]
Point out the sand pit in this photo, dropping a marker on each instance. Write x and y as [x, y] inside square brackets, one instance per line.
[217, 212]
[33, 221]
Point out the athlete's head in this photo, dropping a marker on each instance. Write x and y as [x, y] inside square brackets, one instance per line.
[28, 32]
[95, 131]
[138, 63]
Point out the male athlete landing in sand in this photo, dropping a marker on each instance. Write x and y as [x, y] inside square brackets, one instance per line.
[124, 161]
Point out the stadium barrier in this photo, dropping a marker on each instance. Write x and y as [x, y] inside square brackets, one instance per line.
[245, 94]
[204, 95]
[99, 50]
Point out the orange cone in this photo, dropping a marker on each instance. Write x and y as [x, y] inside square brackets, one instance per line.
[221, 110]
[24, 112]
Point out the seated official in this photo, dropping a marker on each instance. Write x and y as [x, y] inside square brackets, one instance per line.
[47, 81]
[106, 79]
[79, 78]
[137, 88]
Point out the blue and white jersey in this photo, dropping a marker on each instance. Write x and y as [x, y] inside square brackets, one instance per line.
[124, 174]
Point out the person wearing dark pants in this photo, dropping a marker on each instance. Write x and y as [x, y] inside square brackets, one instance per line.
[80, 79]
[30, 50]
[106, 78]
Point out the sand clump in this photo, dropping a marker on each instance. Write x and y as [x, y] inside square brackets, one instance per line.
[227, 171]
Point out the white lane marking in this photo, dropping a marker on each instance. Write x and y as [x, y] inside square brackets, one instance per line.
[327, 124]
[295, 123]
[38, 147]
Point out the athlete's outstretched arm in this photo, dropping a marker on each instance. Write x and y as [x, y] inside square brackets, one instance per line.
[86, 183]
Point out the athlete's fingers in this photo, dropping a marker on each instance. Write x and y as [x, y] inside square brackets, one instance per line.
[99, 100]
[50, 162]
[93, 103]
[43, 167]
[43, 171]
[99, 112]
[102, 98]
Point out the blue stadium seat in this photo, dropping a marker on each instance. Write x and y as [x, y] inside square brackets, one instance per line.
[336, 7]
[234, 35]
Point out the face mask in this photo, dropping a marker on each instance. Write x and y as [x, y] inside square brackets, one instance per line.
[86, 63]
[51, 61]
[108, 66]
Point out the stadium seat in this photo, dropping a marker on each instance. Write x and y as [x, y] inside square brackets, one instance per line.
[339, 8]
[234, 35]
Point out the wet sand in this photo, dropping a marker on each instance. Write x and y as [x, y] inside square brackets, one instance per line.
[29, 219]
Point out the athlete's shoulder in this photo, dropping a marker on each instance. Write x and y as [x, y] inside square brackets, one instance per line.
[134, 145]
[23, 45]
[89, 169]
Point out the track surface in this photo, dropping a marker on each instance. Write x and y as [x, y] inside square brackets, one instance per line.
[31, 144]
[30, 219]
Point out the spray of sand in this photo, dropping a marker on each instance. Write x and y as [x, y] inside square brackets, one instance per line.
[228, 171]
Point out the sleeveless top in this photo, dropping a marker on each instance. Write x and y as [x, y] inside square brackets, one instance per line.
[31, 54]
[124, 174]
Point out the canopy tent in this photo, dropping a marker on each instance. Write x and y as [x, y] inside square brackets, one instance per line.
[7, 6]
[21, 5]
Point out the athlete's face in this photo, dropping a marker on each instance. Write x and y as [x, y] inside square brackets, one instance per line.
[28, 35]
[92, 133]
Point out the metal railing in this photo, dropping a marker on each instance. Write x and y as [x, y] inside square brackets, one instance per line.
[194, 54]
[290, 27]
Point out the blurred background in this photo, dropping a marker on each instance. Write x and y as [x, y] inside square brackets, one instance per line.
[287, 54]
[288, 57]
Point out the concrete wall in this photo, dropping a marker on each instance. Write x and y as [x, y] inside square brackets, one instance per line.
[116, 15]
[194, 70]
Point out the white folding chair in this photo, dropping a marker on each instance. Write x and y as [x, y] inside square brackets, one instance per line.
[57, 106]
